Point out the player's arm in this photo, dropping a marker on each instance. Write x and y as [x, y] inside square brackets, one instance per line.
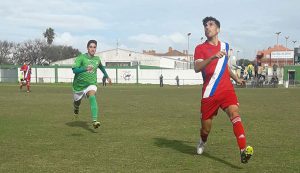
[200, 64]
[77, 68]
[101, 67]
[235, 78]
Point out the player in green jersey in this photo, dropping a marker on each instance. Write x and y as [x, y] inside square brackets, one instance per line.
[85, 80]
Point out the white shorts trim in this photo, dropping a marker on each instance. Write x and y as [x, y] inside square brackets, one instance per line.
[79, 94]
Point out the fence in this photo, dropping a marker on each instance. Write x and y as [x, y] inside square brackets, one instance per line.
[130, 75]
[64, 74]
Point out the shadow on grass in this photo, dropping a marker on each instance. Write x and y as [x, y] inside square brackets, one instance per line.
[85, 125]
[182, 147]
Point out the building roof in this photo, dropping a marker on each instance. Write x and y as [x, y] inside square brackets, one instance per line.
[263, 53]
[171, 52]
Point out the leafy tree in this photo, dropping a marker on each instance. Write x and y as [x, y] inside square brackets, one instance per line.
[56, 53]
[244, 62]
[49, 35]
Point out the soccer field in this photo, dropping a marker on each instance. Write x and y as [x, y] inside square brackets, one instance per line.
[144, 129]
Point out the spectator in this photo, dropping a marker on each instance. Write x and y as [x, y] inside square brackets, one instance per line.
[161, 82]
[177, 81]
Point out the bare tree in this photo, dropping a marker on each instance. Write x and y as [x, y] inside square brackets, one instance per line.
[6, 49]
[29, 51]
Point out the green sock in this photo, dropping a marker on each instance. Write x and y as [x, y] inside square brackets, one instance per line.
[94, 107]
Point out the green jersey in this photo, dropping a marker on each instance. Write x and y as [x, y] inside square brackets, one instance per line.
[83, 80]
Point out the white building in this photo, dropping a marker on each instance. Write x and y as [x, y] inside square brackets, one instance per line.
[121, 57]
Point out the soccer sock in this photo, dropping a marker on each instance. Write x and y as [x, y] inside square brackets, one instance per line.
[76, 104]
[94, 107]
[239, 132]
[203, 136]
[28, 88]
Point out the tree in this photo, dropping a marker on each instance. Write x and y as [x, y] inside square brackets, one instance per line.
[244, 62]
[38, 52]
[56, 53]
[49, 35]
[6, 49]
[30, 51]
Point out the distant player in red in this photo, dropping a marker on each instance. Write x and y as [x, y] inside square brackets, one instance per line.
[211, 59]
[26, 69]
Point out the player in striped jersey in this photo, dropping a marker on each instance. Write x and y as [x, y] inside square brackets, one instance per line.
[211, 59]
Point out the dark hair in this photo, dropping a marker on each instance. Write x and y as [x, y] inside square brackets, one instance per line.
[90, 42]
[205, 20]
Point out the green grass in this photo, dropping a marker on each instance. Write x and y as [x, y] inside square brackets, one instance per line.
[144, 129]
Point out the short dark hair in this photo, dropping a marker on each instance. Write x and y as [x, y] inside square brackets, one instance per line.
[90, 42]
[209, 18]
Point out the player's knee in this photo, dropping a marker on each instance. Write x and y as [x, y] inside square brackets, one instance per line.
[233, 114]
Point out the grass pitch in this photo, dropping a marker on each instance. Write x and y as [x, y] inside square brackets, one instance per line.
[144, 129]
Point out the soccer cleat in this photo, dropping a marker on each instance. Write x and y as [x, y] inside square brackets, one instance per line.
[246, 154]
[96, 124]
[200, 147]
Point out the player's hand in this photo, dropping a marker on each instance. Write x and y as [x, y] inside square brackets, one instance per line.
[89, 68]
[219, 55]
[109, 81]
[241, 81]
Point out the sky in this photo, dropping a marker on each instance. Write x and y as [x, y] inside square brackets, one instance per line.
[137, 25]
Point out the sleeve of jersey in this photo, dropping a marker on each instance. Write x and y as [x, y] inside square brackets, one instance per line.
[76, 68]
[77, 63]
[198, 54]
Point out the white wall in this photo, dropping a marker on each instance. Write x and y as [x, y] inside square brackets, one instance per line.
[186, 77]
[145, 76]
[41, 75]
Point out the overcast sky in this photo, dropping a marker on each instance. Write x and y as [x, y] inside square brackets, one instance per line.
[247, 25]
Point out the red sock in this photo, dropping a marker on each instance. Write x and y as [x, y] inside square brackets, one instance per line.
[239, 132]
[28, 88]
[204, 136]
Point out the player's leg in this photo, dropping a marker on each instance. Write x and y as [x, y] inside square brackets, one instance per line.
[21, 84]
[204, 131]
[233, 113]
[209, 109]
[76, 105]
[28, 85]
[94, 107]
[77, 97]
[239, 132]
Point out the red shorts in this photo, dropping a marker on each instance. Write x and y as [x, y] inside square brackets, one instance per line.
[210, 105]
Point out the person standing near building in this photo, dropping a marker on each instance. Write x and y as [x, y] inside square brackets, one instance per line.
[211, 59]
[103, 81]
[250, 71]
[161, 80]
[85, 80]
[177, 81]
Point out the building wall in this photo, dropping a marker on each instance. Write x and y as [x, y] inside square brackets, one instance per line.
[292, 68]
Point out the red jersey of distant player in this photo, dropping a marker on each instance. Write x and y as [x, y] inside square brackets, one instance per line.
[216, 83]
[26, 72]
